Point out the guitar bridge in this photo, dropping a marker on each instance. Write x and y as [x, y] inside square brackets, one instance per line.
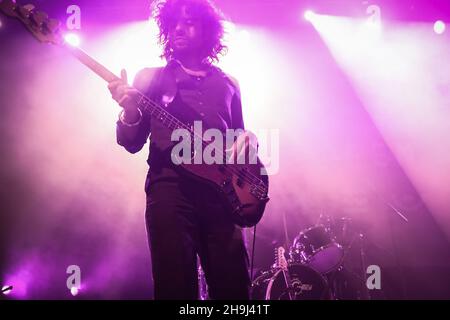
[259, 192]
[230, 193]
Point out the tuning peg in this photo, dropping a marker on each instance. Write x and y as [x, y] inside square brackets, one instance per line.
[25, 10]
[39, 17]
[8, 7]
[52, 25]
[29, 7]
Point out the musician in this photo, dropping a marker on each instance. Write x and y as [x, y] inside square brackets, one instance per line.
[185, 217]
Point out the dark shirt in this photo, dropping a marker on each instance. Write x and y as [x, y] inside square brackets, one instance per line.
[214, 99]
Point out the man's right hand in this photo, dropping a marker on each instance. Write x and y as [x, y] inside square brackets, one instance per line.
[126, 96]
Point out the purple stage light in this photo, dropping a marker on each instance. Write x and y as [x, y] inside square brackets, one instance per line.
[74, 291]
[308, 15]
[244, 35]
[439, 27]
[72, 39]
[6, 290]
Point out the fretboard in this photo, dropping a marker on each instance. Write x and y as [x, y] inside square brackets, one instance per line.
[159, 113]
[144, 103]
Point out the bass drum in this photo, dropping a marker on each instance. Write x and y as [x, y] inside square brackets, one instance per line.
[315, 248]
[305, 284]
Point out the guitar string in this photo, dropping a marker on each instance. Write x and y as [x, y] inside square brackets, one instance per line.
[181, 124]
[247, 176]
[163, 114]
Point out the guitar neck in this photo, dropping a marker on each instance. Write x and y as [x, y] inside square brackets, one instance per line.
[92, 64]
[144, 103]
[47, 31]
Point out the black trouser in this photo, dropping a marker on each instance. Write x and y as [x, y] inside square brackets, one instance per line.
[186, 218]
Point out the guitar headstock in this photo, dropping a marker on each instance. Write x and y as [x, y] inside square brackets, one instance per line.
[280, 259]
[37, 22]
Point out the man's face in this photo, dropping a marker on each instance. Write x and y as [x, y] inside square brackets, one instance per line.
[185, 35]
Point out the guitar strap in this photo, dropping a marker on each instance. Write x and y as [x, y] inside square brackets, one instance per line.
[162, 87]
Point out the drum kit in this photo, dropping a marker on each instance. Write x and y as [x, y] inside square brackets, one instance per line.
[315, 268]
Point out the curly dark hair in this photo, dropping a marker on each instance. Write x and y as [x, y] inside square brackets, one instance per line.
[166, 13]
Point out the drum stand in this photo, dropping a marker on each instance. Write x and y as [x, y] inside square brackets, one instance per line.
[287, 280]
[341, 277]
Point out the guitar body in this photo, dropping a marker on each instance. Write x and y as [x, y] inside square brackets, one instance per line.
[244, 199]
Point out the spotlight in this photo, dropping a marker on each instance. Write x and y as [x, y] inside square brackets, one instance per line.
[308, 15]
[1, 23]
[245, 35]
[439, 27]
[72, 39]
[373, 26]
[7, 290]
[74, 291]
